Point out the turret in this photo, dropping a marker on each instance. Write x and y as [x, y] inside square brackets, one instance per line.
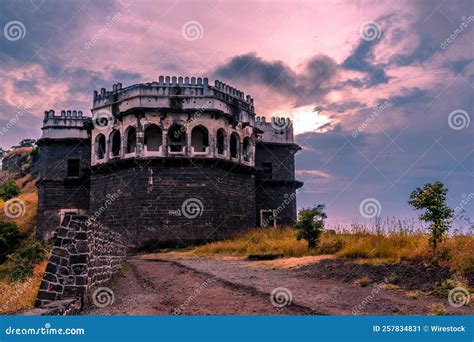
[63, 164]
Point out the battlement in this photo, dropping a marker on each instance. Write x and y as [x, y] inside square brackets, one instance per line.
[69, 124]
[176, 86]
[278, 130]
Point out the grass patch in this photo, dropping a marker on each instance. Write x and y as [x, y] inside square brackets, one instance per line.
[126, 267]
[361, 246]
[21, 295]
[362, 282]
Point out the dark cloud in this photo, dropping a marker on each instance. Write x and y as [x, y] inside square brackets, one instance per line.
[304, 87]
[251, 68]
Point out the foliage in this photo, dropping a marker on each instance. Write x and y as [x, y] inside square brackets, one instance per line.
[310, 224]
[432, 199]
[21, 264]
[10, 237]
[8, 190]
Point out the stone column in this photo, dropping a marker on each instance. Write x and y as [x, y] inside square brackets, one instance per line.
[140, 136]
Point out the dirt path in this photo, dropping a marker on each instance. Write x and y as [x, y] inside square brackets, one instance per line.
[235, 287]
[165, 288]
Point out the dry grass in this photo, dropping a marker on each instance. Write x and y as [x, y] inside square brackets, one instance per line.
[27, 221]
[259, 241]
[21, 295]
[361, 246]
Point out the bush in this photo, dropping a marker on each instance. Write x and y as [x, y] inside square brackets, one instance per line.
[22, 263]
[311, 224]
[8, 190]
[10, 237]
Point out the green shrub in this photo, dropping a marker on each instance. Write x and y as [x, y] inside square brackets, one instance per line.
[21, 264]
[8, 190]
[10, 237]
[310, 224]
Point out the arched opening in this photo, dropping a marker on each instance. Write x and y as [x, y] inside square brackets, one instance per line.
[100, 146]
[177, 138]
[115, 142]
[220, 141]
[131, 140]
[247, 149]
[153, 138]
[234, 145]
[199, 138]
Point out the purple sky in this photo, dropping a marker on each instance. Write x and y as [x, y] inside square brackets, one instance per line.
[380, 97]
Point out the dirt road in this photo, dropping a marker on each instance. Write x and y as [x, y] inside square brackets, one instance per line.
[235, 287]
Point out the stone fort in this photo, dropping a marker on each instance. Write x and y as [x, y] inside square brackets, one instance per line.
[177, 161]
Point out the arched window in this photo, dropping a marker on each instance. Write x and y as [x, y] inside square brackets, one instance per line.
[199, 138]
[100, 146]
[234, 145]
[115, 143]
[220, 141]
[177, 138]
[153, 138]
[247, 149]
[131, 140]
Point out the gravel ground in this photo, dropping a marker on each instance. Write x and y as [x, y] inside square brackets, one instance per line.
[165, 288]
[231, 287]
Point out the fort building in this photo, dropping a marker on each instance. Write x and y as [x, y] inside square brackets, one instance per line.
[176, 161]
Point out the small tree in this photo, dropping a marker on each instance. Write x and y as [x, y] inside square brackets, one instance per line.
[310, 224]
[432, 198]
[8, 190]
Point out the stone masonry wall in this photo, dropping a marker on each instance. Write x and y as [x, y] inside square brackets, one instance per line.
[144, 202]
[85, 256]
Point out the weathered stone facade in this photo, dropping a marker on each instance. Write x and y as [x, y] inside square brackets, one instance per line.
[189, 161]
[85, 256]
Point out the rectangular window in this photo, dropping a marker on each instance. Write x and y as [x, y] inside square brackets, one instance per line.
[73, 167]
[267, 170]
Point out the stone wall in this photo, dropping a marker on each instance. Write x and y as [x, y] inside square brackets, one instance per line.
[58, 192]
[85, 256]
[275, 183]
[151, 195]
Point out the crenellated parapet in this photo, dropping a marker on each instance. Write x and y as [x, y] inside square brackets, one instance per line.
[278, 130]
[178, 92]
[68, 124]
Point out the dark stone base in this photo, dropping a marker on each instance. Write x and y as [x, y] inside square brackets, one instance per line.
[145, 199]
